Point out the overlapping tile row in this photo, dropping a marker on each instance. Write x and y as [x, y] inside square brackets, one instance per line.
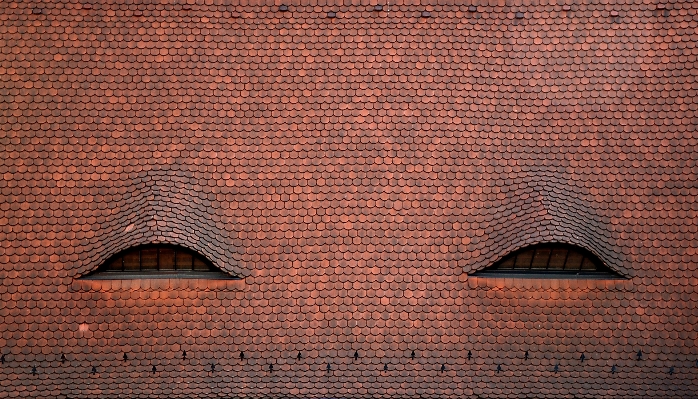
[353, 169]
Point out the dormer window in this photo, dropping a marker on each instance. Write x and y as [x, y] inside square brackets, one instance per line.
[555, 260]
[158, 261]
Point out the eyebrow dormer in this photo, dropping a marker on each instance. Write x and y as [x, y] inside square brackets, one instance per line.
[550, 260]
[158, 261]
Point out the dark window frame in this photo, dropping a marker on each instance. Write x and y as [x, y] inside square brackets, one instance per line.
[197, 267]
[508, 265]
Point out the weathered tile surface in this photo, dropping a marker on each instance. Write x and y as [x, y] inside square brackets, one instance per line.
[354, 170]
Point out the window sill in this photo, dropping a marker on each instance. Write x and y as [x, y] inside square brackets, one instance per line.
[159, 282]
[176, 275]
[556, 275]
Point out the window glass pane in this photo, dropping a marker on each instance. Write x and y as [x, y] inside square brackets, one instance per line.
[507, 264]
[540, 259]
[132, 261]
[149, 259]
[574, 261]
[167, 259]
[557, 259]
[115, 264]
[184, 260]
[523, 260]
[138, 261]
[588, 264]
[199, 264]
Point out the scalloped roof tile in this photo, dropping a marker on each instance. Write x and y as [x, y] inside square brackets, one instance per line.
[354, 170]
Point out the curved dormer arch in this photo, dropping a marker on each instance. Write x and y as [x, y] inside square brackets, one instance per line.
[539, 211]
[162, 209]
[549, 260]
[158, 261]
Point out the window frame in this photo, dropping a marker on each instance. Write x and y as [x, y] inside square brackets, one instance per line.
[104, 271]
[601, 271]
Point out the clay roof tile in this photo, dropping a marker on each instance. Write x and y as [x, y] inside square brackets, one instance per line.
[354, 163]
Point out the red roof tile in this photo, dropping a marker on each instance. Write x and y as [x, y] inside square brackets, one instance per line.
[354, 170]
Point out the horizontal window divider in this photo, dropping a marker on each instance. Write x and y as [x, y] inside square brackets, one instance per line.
[178, 274]
[533, 274]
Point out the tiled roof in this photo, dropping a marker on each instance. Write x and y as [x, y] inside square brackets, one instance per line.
[354, 170]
